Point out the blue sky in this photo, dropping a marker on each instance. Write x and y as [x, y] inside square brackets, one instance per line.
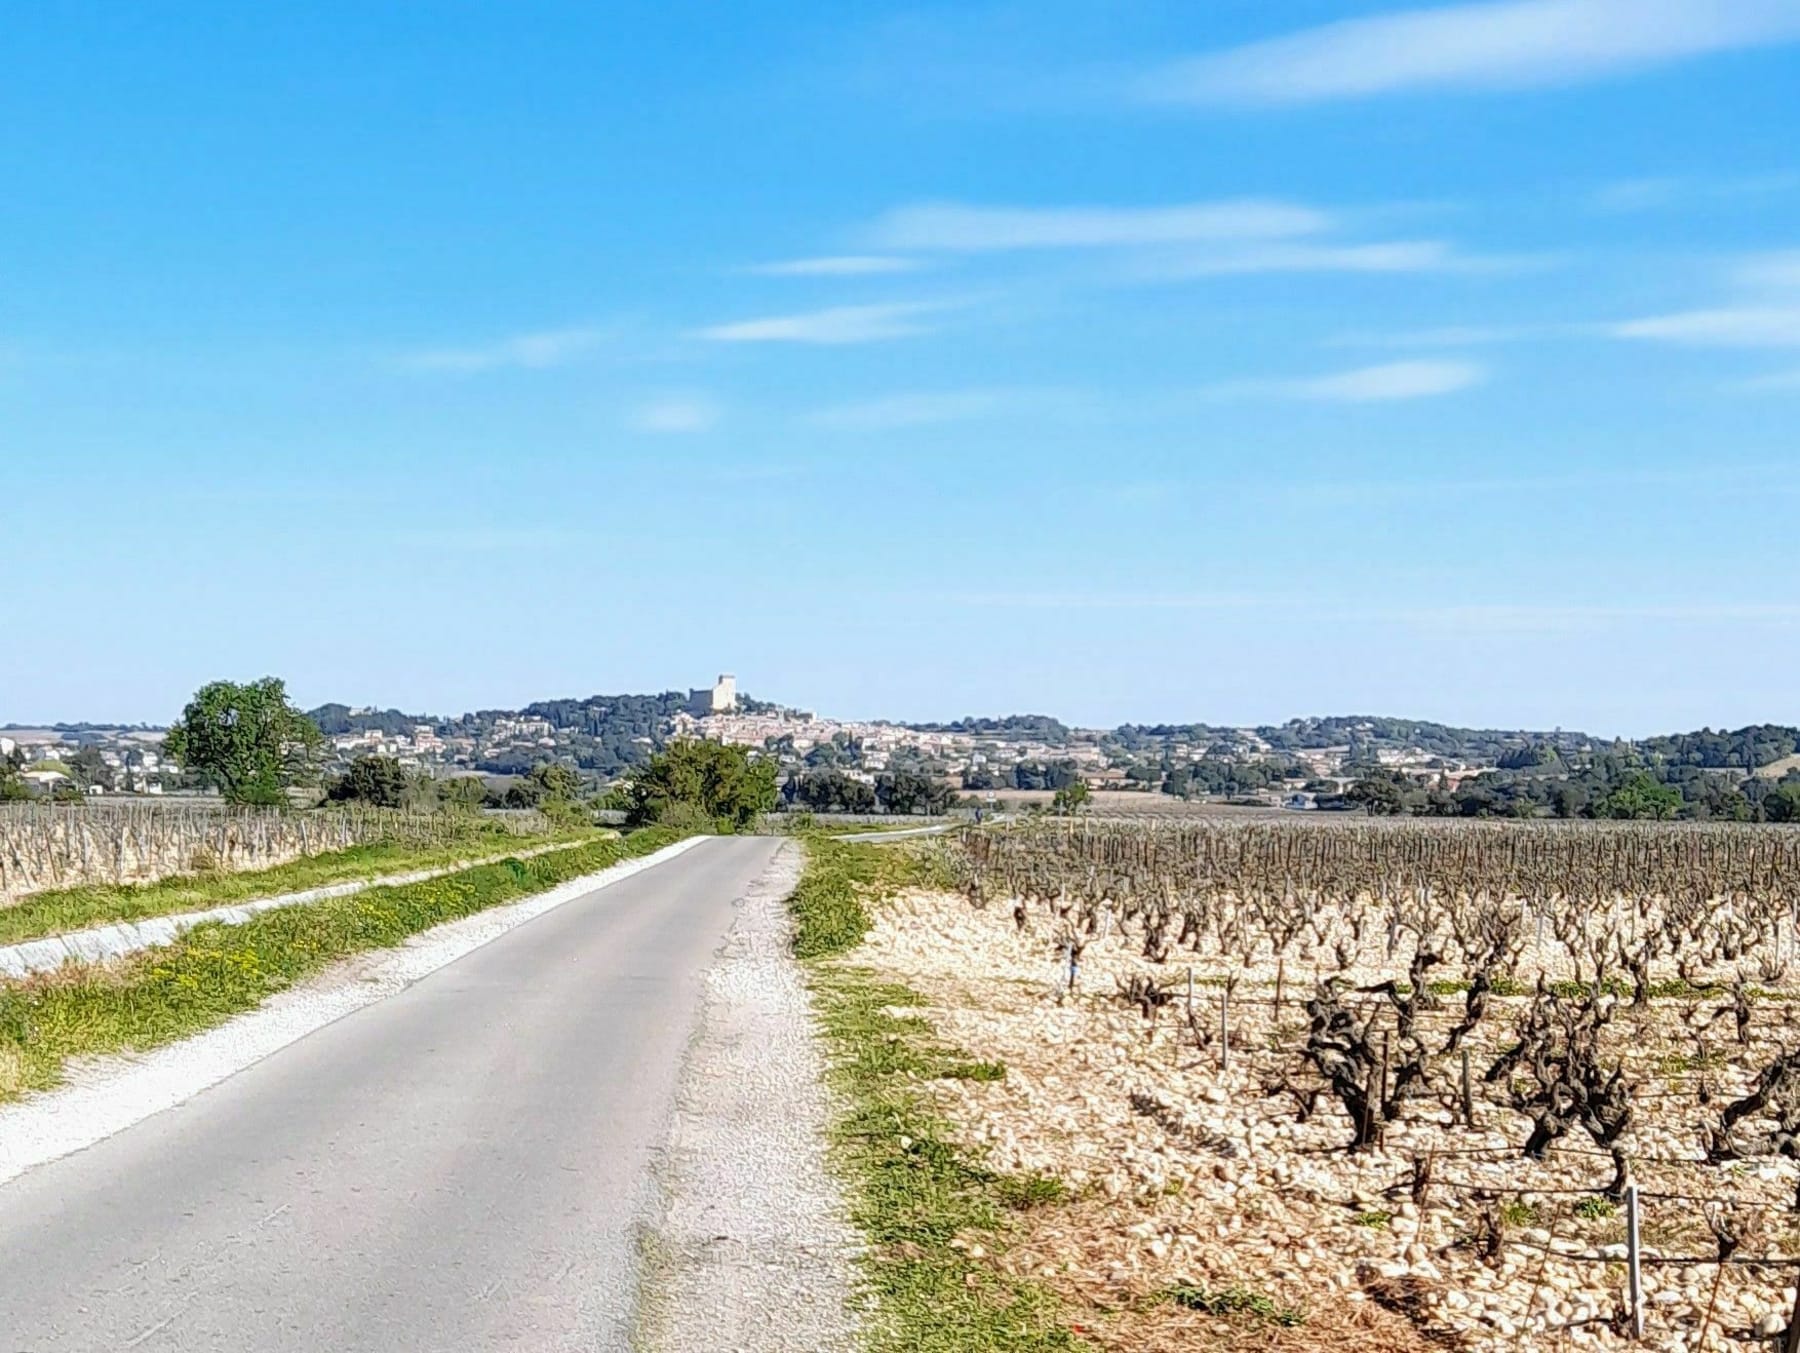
[1120, 360]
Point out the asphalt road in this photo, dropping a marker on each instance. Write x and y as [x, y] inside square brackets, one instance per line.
[464, 1167]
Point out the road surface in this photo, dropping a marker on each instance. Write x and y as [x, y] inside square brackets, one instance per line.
[464, 1167]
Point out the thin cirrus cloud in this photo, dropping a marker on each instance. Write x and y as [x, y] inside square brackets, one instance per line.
[1454, 336]
[1748, 326]
[674, 414]
[929, 408]
[1779, 271]
[1396, 256]
[1227, 237]
[1515, 44]
[839, 265]
[533, 351]
[833, 326]
[955, 227]
[1762, 311]
[1387, 382]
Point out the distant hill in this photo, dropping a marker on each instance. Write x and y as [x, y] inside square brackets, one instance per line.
[1032, 727]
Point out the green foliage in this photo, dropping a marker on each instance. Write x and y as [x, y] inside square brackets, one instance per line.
[1382, 793]
[462, 793]
[247, 740]
[89, 767]
[1217, 775]
[724, 783]
[378, 780]
[12, 785]
[916, 1195]
[1044, 775]
[1641, 797]
[910, 791]
[1072, 798]
[1596, 1208]
[832, 791]
[1519, 1213]
[829, 913]
[1376, 1220]
[1782, 803]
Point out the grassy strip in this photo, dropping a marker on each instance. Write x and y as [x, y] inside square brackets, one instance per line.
[65, 909]
[922, 1201]
[216, 971]
[828, 907]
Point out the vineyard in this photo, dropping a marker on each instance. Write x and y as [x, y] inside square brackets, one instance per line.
[1497, 1086]
[63, 845]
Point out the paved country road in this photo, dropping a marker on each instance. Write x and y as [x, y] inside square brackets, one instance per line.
[466, 1166]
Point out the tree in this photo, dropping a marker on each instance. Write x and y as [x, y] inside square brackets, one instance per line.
[555, 782]
[1380, 794]
[725, 784]
[1641, 796]
[378, 780]
[12, 784]
[911, 791]
[89, 768]
[832, 791]
[248, 741]
[1782, 803]
[463, 793]
[1072, 797]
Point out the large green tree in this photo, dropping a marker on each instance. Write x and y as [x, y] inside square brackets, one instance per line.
[378, 780]
[911, 791]
[1641, 796]
[247, 740]
[722, 783]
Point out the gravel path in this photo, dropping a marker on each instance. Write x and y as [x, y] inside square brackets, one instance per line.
[754, 1253]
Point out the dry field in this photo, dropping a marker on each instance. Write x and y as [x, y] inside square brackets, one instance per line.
[1622, 995]
[1128, 803]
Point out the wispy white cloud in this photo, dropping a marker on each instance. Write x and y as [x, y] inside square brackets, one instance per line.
[927, 408]
[674, 414]
[832, 326]
[1396, 256]
[1779, 271]
[1761, 309]
[1768, 326]
[958, 227]
[550, 348]
[1775, 382]
[1657, 193]
[1455, 336]
[838, 265]
[1387, 382]
[1513, 44]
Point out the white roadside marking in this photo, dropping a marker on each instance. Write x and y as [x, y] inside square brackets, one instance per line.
[119, 1092]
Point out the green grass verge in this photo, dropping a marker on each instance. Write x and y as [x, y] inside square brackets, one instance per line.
[829, 913]
[215, 971]
[913, 1191]
[65, 909]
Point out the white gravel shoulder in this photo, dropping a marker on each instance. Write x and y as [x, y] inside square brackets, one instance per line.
[755, 1253]
[111, 1094]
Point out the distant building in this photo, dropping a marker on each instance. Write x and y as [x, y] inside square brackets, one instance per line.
[721, 699]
